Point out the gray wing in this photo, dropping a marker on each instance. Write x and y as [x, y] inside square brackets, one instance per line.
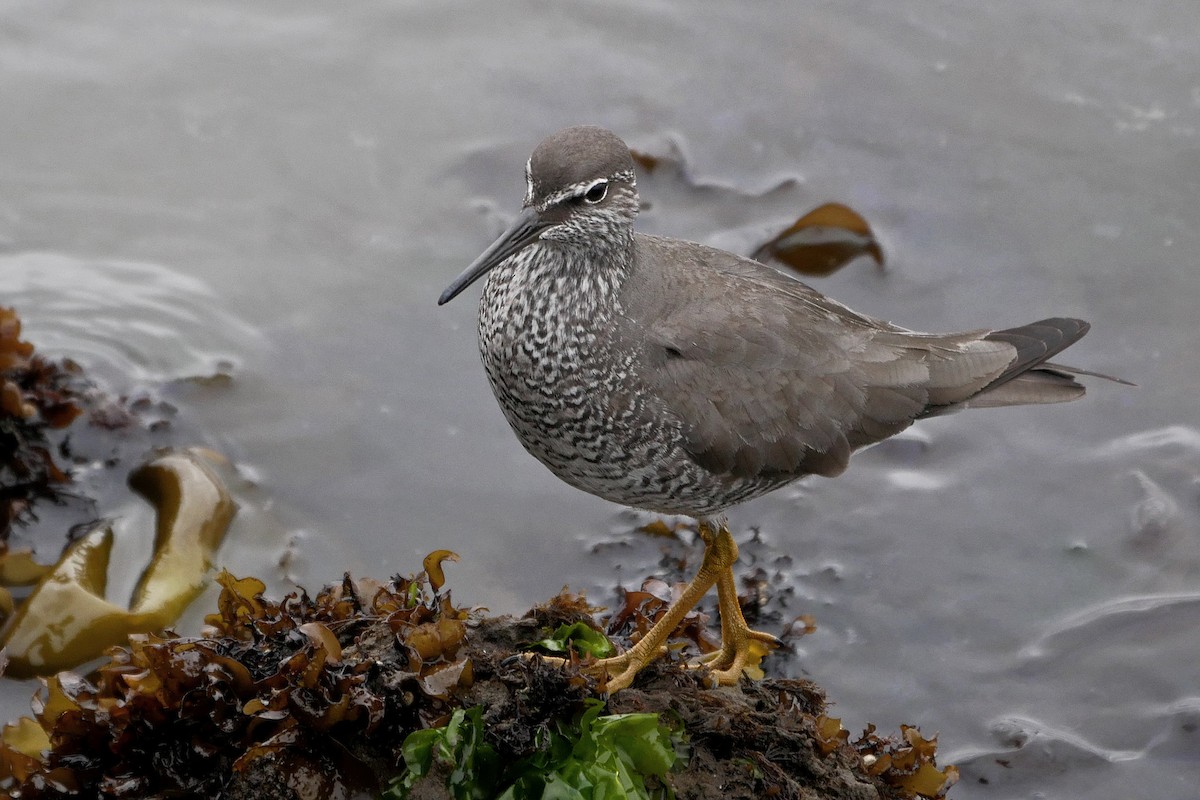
[772, 379]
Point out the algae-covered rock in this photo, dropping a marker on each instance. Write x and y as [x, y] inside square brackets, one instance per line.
[391, 690]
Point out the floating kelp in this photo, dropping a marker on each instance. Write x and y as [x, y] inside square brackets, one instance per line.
[370, 685]
[67, 620]
[822, 241]
[819, 243]
[674, 165]
[18, 567]
[47, 408]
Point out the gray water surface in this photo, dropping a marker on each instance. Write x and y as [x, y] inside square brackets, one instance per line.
[283, 188]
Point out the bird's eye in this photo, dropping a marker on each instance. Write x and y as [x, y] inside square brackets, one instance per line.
[596, 192]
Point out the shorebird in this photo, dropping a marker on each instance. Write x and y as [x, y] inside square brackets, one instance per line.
[682, 379]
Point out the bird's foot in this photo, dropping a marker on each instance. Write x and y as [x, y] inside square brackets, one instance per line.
[741, 648]
[742, 651]
[618, 672]
[613, 673]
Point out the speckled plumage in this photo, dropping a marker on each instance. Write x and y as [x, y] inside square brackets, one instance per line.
[674, 377]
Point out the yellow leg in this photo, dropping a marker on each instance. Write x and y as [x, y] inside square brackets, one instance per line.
[737, 638]
[720, 553]
[718, 558]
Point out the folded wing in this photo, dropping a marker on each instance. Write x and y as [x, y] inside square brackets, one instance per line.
[770, 378]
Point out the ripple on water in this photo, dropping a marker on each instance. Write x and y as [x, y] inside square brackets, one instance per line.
[136, 327]
[1113, 705]
[1129, 621]
[1034, 759]
[126, 321]
[1173, 441]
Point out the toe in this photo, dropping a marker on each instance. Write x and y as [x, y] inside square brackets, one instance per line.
[728, 676]
[765, 638]
[553, 661]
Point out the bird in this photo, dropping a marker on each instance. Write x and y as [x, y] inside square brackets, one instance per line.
[682, 379]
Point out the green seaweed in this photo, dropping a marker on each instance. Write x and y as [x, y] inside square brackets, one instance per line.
[596, 757]
[586, 641]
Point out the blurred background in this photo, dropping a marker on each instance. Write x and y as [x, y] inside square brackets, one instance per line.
[272, 194]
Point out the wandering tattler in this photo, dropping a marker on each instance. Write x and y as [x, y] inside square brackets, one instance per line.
[681, 379]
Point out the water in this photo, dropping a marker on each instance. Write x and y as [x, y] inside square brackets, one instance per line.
[284, 188]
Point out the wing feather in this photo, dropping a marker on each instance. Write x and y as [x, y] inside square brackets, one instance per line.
[770, 378]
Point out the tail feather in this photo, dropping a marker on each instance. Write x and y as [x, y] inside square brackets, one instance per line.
[1030, 378]
[1036, 343]
[1035, 386]
[1064, 369]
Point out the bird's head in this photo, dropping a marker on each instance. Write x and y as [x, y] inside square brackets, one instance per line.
[580, 190]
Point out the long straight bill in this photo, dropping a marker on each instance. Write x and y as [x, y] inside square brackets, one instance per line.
[523, 232]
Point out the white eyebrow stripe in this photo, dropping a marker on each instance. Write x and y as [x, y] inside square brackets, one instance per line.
[574, 190]
[579, 189]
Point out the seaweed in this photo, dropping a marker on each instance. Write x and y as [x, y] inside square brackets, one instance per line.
[268, 680]
[36, 395]
[608, 756]
[392, 688]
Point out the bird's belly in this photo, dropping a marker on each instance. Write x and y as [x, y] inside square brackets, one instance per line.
[594, 433]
